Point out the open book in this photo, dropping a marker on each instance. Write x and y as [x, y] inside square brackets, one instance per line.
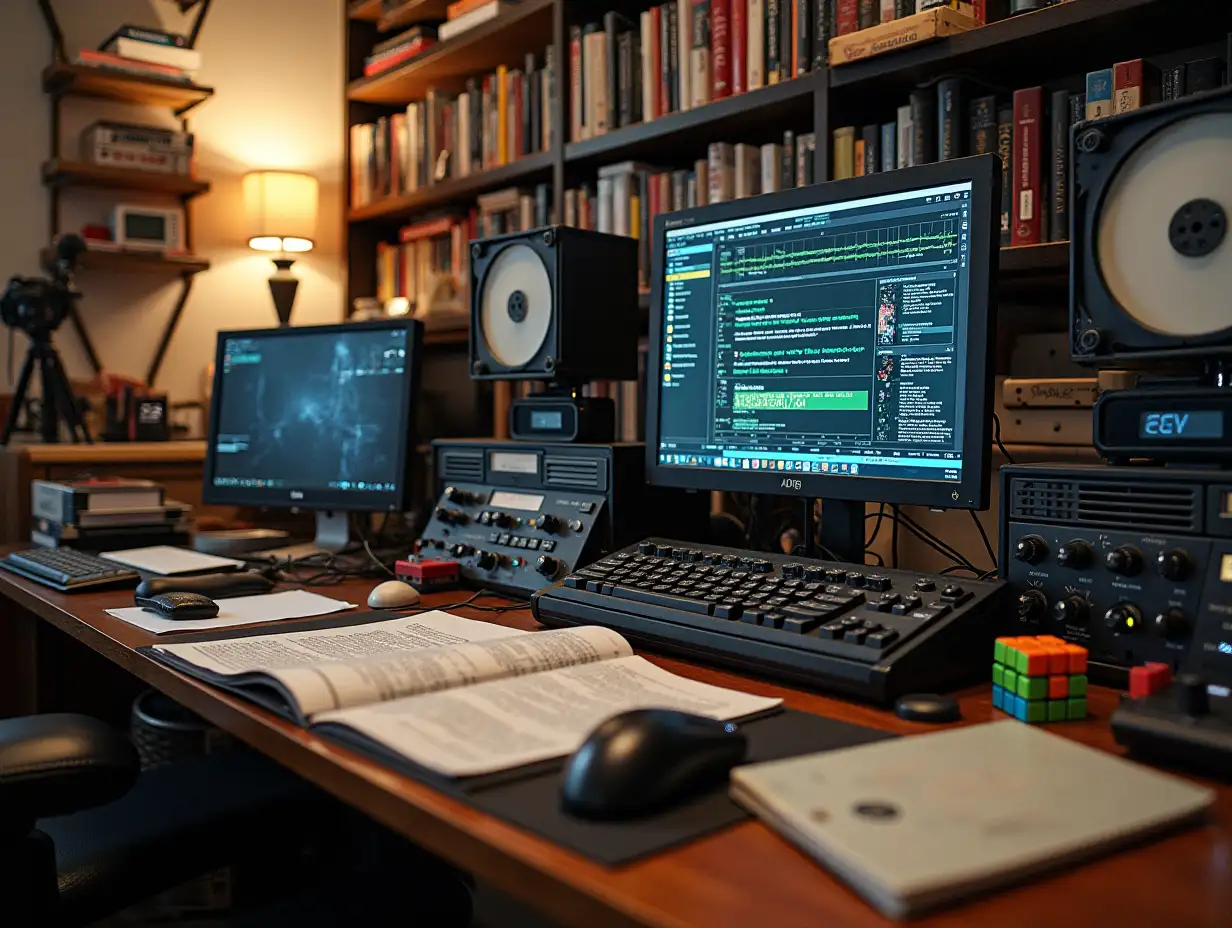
[458, 696]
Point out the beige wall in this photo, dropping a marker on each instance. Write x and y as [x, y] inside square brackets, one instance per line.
[276, 67]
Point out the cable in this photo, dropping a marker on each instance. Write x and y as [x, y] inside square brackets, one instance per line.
[468, 603]
[894, 538]
[929, 539]
[880, 516]
[996, 437]
[992, 555]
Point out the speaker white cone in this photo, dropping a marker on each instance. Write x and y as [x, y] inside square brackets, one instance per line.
[1162, 290]
[515, 339]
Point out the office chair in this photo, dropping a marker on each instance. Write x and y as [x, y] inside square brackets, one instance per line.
[85, 834]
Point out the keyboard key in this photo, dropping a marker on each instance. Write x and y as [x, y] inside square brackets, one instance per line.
[855, 580]
[880, 639]
[813, 574]
[776, 601]
[727, 611]
[908, 604]
[774, 620]
[660, 598]
[791, 584]
[752, 616]
[761, 566]
[855, 635]
[594, 586]
[798, 626]
[924, 585]
[575, 582]
[836, 576]
[953, 591]
[607, 589]
[812, 587]
[876, 582]
[800, 611]
[930, 612]
[833, 630]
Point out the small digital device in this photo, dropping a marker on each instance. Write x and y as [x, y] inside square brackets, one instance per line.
[830, 342]
[147, 228]
[1171, 424]
[315, 417]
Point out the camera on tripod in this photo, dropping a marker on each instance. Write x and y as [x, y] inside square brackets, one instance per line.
[38, 307]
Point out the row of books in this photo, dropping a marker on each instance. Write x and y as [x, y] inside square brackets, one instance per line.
[496, 120]
[957, 117]
[628, 196]
[400, 49]
[433, 252]
[144, 52]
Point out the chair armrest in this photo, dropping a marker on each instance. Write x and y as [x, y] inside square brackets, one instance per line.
[56, 764]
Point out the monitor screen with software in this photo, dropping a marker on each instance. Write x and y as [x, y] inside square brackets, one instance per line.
[315, 417]
[832, 341]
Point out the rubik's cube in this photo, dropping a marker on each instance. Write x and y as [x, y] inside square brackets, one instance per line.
[1039, 679]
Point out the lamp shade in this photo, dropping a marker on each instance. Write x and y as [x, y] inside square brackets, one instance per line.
[280, 210]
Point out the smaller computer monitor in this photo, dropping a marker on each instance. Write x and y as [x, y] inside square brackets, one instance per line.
[832, 341]
[314, 417]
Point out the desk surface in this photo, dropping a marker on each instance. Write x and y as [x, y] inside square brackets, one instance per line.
[743, 876]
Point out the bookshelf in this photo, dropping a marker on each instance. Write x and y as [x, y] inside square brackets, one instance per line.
[1055, 46]
[60, 172]
[73, 80]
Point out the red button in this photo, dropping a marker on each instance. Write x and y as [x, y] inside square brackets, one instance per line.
[1149, 679]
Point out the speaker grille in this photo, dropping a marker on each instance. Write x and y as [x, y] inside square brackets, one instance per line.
[1148, 506]
[575, 473]
[461, 466]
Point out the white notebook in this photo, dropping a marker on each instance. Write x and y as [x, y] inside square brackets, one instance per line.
[168, 561]
[917, 822]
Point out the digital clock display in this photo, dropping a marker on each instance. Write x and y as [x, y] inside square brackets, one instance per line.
[1181, 423]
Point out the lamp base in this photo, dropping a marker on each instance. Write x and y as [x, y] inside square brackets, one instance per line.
[283, 285]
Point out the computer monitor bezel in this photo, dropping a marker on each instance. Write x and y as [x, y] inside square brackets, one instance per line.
[972, 491]
[398, 500]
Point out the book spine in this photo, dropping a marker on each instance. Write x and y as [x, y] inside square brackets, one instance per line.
[924, 126]
[787, 40]
[635, 45]
[857, 157]
[1134, 85]
[905, 148]
[1077, 108]
[611, 76]
[1203, 74]
[869, 12]
[979, 12]
[1058, 179]
[1099, 93]
[787, 162]
[720, 48]
[748, 171]
[983, 125]
[823, 17]
[530, 106]
[1028, 106]
[847, 17]
[700, 81]
[756, 42]
[672, 12]
[903, 8]
[625, 79]
[887, 13]
[771, 157]
[872, 148]
[739, 46]
[805, 25]
[810, 158]
[949, 118]
[844, 152]
[577, 129]
[474, 99]
[889, 135]
[1005, 149]
[772, 41]
[650, 67]
[684, 75]
[1174, 83]
[658, 28]
[805, 151]
[721, 163]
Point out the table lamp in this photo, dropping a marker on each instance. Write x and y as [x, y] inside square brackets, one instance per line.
[280, 208]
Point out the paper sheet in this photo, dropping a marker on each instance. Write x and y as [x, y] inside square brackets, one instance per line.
[168, 561]
[239, 610]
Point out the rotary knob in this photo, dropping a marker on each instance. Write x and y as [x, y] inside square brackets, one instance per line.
[574, 525]
[457, 495]
[1072, 610]
[486, 560]
[1076, 555]
[1031, 549]
[1191, 694]
[1174, 565]
[1173, 625]
[1123, 619]
[460, 550]
[1032, 606]
[547, 565]
[1125, 560]
[450, 516]
[549, 524]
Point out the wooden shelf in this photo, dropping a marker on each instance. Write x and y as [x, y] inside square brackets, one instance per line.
[452, 336]
[137, 262]
[505, 40]
[1049, 42]
[744, 118]
[59, 172]
[78, 80]
[368, 11]
[529, 169]
[412, 12]
[1048, 259]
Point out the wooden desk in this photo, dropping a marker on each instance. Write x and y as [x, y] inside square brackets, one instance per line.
[742, 876]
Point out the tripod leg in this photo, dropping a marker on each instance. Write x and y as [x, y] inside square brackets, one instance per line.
[49, 408]
[66, 403]
[19, 396]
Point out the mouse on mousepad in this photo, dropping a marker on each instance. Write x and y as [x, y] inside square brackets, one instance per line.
[534, 803]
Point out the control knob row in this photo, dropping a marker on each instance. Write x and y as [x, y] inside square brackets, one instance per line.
[450, 516]
[1124, 618]
[1174, 564]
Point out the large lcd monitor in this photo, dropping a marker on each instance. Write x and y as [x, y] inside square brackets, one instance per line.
[314, 417]
[833, 341]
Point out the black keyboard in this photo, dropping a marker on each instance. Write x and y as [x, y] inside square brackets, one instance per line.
[869, 632]
[67, 570]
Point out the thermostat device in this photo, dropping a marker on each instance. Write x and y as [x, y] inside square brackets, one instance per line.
[147, 228]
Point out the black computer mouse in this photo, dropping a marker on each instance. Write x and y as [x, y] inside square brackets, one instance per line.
[641, 761]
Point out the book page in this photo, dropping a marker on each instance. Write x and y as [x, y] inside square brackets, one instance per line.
[507, 723]
[236, 657]
[407, 673]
